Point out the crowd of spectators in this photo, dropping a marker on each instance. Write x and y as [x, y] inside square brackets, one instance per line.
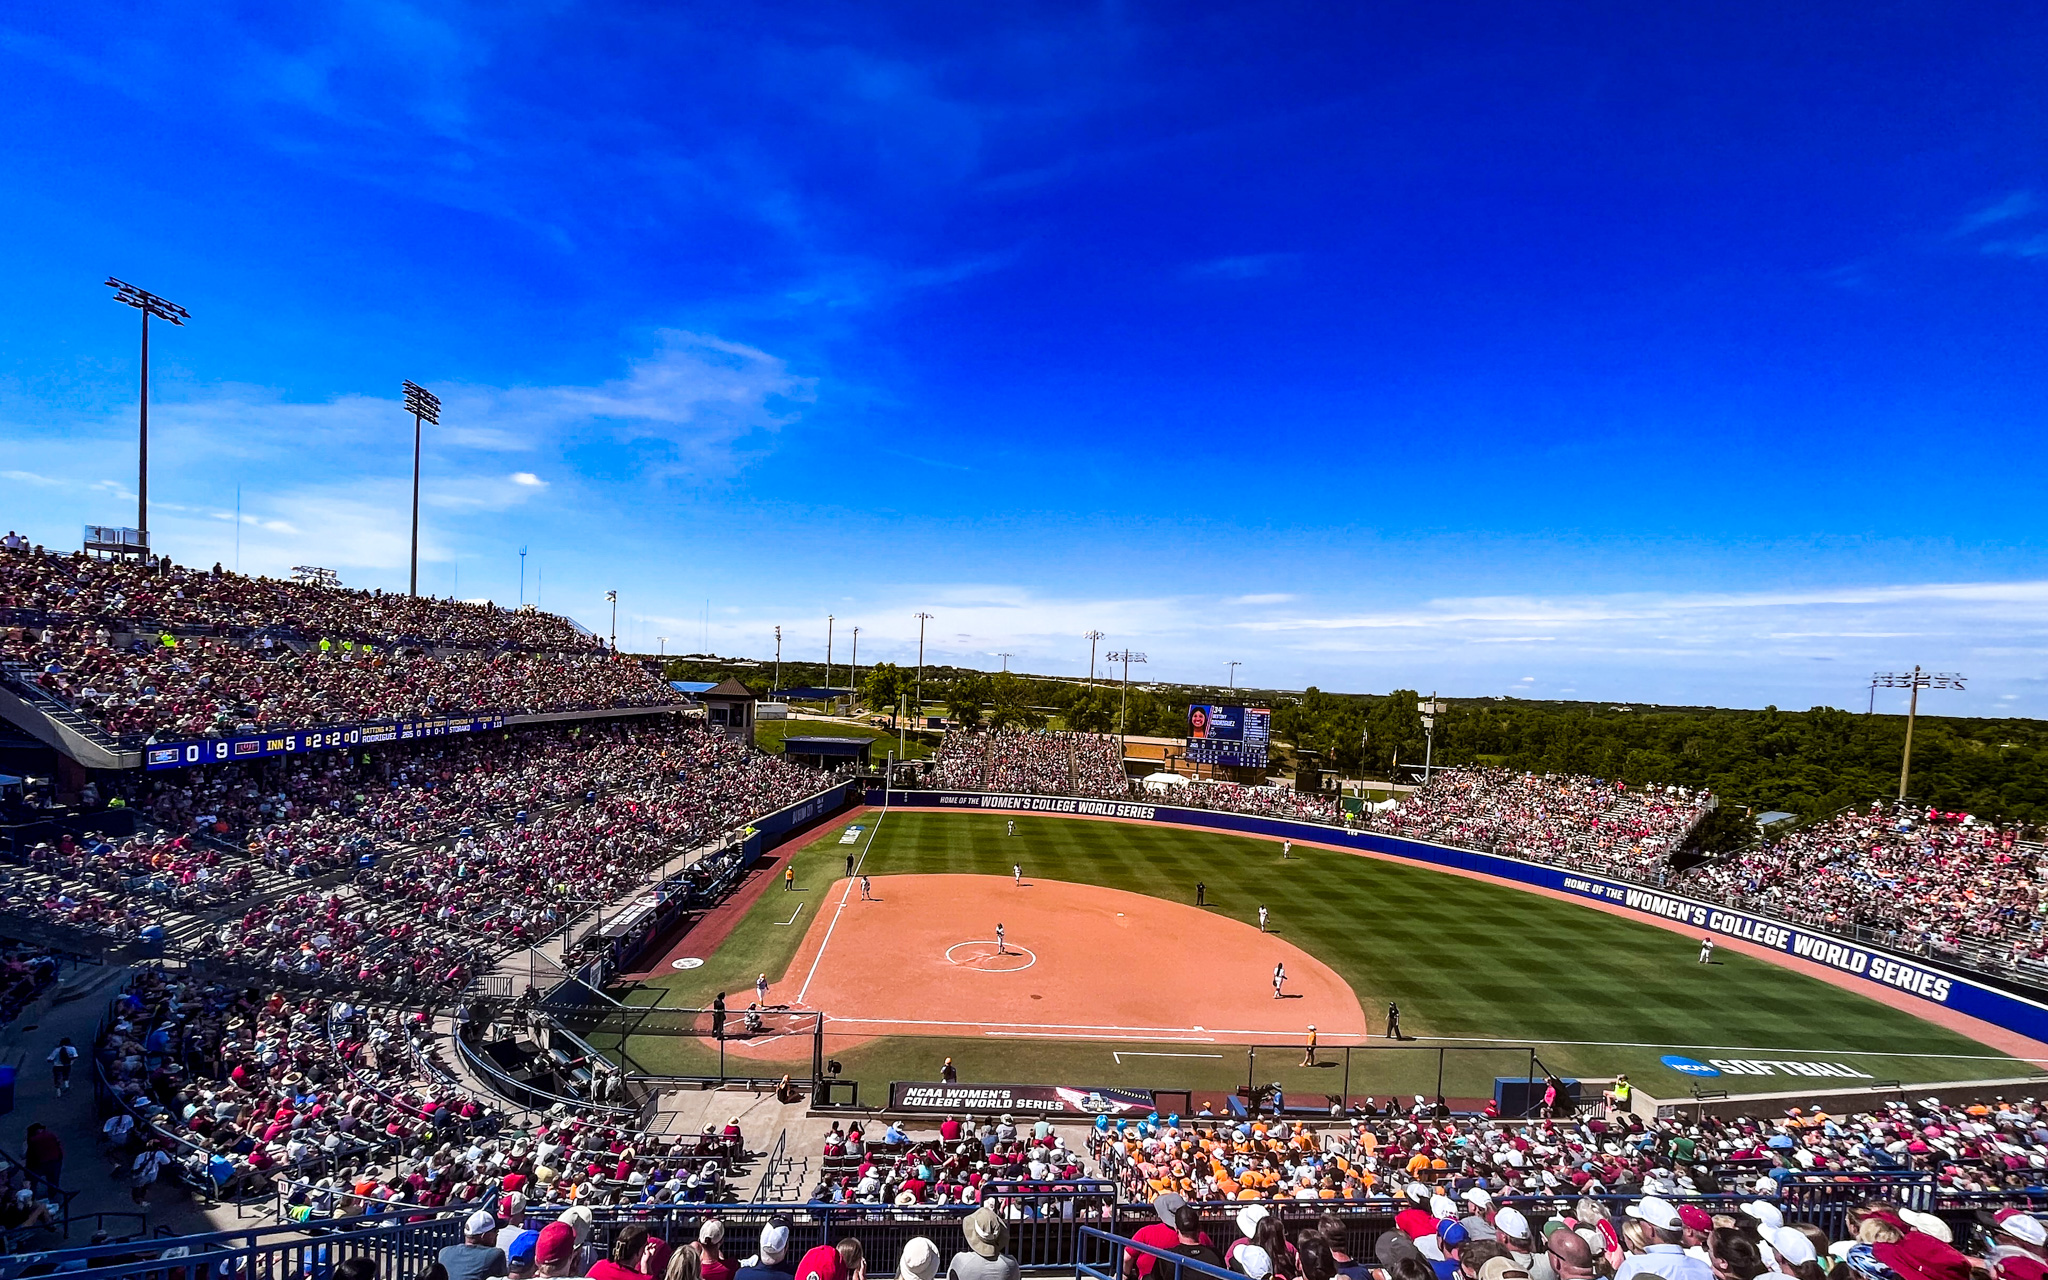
[1917, 878]
[1602, 1151]
[1032, 763]
[1587, 823]
[116, 597]
[25, 973]
[339, 1110]
[460, 847]
[956, 1164]
[1269, 802]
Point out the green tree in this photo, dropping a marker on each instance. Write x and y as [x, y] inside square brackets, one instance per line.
[885, 684]
[1094, 711]
[1013, 707]
[965, 695]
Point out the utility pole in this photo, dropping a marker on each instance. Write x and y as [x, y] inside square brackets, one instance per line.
[1091, 637]
[922, 618]
[1233, 673]
[163, 309]
[1916, 681]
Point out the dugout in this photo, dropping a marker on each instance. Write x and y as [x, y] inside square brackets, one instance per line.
[827, 753]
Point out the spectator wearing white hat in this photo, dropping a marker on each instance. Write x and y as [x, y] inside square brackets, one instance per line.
[1478, 1224]
[2019, 1246]
[918, 1261]
[1789, 1251]
[771, 1261]
[1665, 1255]
[478, 1257]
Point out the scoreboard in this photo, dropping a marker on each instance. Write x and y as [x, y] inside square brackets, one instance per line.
[1234, 737]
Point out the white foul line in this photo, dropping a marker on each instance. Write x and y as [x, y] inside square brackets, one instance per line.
[794, 914]
[1141, 1053]
[817, 959]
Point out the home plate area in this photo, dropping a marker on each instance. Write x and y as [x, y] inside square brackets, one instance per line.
[1077, 962]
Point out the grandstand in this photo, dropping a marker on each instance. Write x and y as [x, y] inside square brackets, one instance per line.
[390, 911]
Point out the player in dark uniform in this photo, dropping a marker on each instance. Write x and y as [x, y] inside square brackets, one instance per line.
[1393, 1021]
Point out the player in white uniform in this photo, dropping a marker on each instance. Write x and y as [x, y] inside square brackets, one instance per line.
[1706, 950]
[761, 990]
[1279, 978]
[999, 941]
[1262, 917]
[1012, 825]
[1017, 874]
[865, 896]
[1287, 848]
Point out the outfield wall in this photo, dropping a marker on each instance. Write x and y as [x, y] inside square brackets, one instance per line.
[1922, 982]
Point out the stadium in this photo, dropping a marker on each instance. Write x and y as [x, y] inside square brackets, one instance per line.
[390, 907]
[618, 678]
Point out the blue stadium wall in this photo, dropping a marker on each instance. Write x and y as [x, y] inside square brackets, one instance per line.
[1923, 982]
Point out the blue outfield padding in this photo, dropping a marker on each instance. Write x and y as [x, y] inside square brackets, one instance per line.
[1924, 982]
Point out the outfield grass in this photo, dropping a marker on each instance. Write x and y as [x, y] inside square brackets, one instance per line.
[1469, 962]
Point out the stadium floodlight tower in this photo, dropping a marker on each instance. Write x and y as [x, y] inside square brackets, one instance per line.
[1234, 665]
[424, 406]
[1091, 636]
[922, 618]
[163, 309]
[613, 598]
[1127, 657]
[1916, 680]
[1430, 710]
[829, 620]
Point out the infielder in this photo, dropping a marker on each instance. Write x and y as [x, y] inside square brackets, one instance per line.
[999, 940]
[1279, 978]
[1017, 874]
[865, 896]
[1262, 917]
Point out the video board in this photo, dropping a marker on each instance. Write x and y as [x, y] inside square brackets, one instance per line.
[1234, 737]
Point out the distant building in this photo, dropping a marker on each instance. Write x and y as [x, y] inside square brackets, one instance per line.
[729, 709]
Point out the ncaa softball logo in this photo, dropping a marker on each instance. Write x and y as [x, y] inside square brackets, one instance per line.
[1689, 1066]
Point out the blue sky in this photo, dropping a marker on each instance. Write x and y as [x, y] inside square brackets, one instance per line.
[1599, 353]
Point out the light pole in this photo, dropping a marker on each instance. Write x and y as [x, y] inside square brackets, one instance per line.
[424, 406]
[1006, 659]
[663, 642]
[1429, 710]
[828, 662]
[1127, 657]
[922, 618]
[522, 578]
[1091, 637]
[163, 309]
[778, 659]
[1916, 680]
[1233, 673]
[853, 671]
[613, 597]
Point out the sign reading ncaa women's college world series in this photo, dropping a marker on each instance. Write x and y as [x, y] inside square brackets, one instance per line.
[256, 746]
[1914, 977]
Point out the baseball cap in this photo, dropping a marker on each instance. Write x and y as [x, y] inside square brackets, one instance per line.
[578, 1219]
[1255, 1262]
[554, 1244]
[1443, 1207]
[712, 1232]
[480, 1223]
[1765, 1212]
[1451, 1233]
[2023, 1226]
[820, 1263]
[1418, 1193]
[774, 1240]
[1510, 1222]
[522, 1246]
[919, 1259]
[987, 1233]
[1503, 1269]
[1167, 1205]
[1248, 1221]
[1656, 1211]
[1693, 1216]
[1791, 1244]
[1479, 1197]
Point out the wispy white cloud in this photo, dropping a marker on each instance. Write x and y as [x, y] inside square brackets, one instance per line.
[1248, 266]
[2004, 209]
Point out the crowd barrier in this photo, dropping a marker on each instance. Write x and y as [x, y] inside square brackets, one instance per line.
[1927, 984]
